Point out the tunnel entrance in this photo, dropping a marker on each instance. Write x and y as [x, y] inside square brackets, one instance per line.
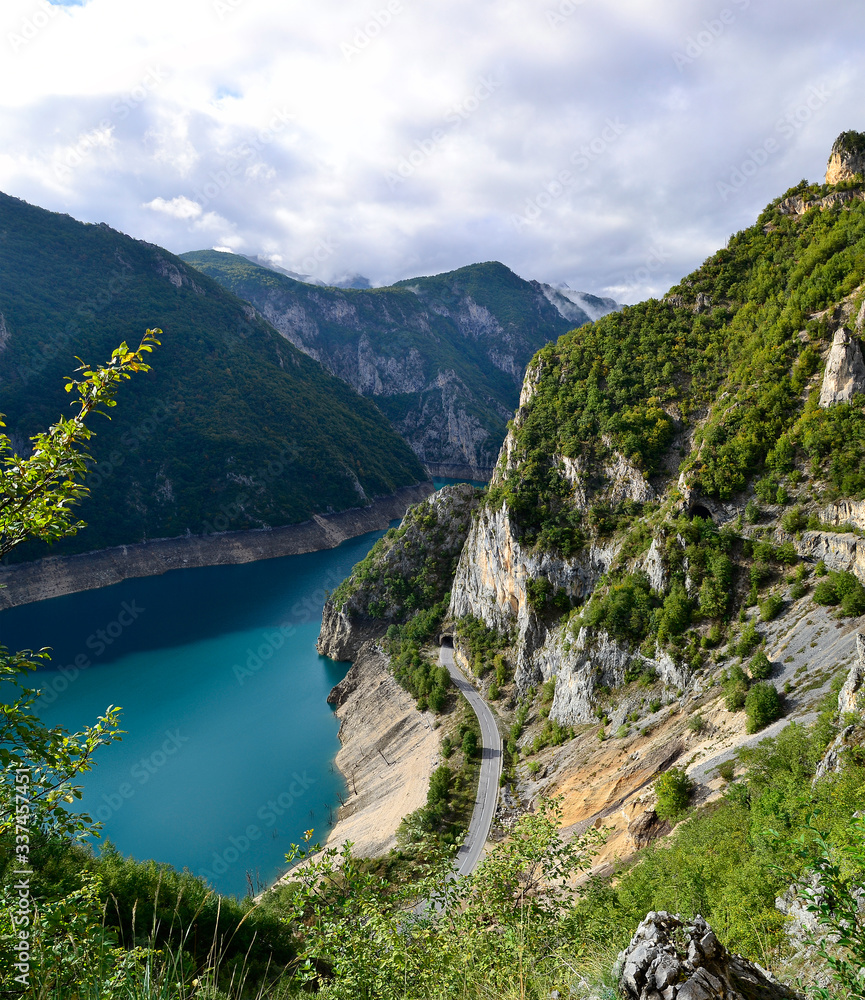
[698, 510]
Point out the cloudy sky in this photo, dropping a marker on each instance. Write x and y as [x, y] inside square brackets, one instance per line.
[609, 144]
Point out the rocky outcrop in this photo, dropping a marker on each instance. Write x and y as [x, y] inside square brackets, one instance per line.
[418, 558]
[491, 584]
[674, 959]
[798, 205]
[850, 693]
[845, 512]
[845, 370]
[647, 827]
[832, 761]
[59, 575]
[591, 662]
[840, 552]
[847, 158]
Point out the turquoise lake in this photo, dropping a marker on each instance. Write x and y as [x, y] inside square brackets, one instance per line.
[229, 745]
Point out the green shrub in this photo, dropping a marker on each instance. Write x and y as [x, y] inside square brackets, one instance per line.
[748, 640]
[735, 688]
[825, 593]
[727, 770]
[622, 731]
[470, 744]
[770, 607]
[760, 666]
[752, 512]
[673, 789]
[794, 520]
[851, 593]
[696, 723]
[762, 706]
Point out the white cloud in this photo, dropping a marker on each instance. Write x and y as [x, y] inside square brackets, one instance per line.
[278, 126]
[178, 208]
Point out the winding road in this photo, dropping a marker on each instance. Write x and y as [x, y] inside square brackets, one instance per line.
[469, 854]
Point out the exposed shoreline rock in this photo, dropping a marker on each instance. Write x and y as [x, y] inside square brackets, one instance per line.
[56, 576]
[389, 750]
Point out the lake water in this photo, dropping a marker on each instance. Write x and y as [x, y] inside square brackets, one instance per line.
[229, 746]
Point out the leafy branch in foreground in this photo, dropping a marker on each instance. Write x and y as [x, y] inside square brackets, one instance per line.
[36, 499]
[430, 937]
[37, 493]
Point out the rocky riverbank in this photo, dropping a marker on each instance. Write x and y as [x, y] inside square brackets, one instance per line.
[59, 575]
[389, 750]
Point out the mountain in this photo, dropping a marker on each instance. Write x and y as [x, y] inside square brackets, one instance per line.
[667, 572]
[349, 281]
[233, 428]
[442, 356]
[736, 401]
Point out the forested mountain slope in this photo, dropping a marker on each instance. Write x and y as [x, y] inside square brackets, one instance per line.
[442, 356]
[667, 462]
[234, 427]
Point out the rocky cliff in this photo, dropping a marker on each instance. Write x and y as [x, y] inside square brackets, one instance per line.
[631, 510]
[410, 569]
[847, 159]
[443, 357]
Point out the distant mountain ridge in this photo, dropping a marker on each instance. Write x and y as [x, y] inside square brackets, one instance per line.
[233, 428]
[443, 356]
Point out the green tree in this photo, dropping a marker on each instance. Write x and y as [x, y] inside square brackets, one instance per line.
[37, 499]
[673, 789]
[762, 706]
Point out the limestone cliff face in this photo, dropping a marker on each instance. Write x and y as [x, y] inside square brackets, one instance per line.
[491, 584]
[847, 158]
[840, 552]
[845, 370]
[443, 356]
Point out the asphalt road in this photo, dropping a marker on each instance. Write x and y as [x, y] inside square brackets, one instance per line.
[469, 854]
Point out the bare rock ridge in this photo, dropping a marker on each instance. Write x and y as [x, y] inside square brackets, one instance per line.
[443, 356]
[845, 370]
[673, 959]
[847, 158]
